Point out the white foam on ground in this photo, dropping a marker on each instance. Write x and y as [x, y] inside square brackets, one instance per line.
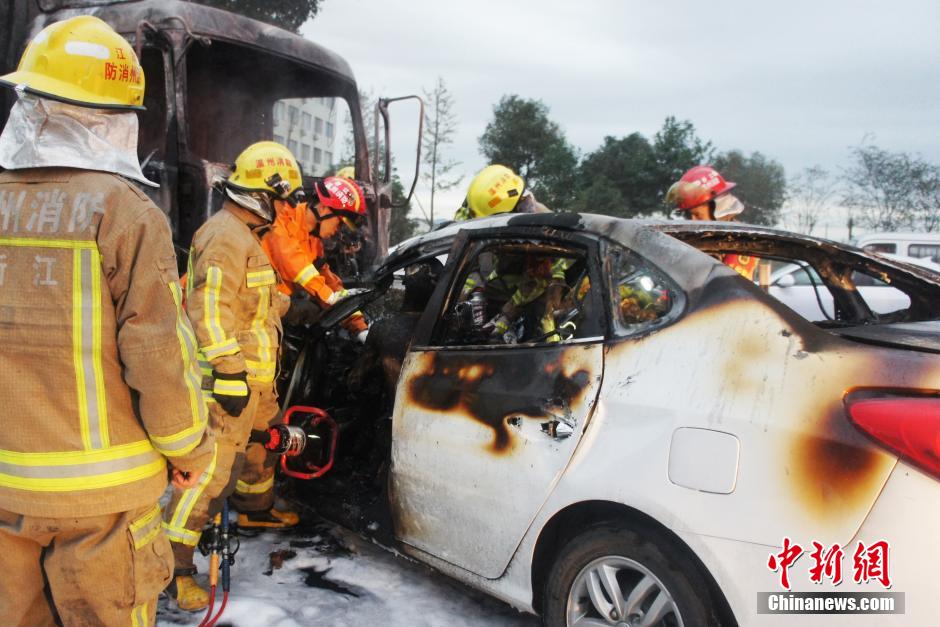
[392, 590]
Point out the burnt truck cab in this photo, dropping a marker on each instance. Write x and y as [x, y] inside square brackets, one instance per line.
[217, 82]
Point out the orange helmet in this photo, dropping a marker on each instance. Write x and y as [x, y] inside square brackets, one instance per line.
[696, 187]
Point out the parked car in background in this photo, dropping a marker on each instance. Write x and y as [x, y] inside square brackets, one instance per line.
[799, 287]
[919, 245]
[640, 466]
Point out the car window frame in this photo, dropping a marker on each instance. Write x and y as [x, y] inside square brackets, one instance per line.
[466, 246]
[920, 284]
[680, 300]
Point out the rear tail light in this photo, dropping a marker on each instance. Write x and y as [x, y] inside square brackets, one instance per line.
[906, 424]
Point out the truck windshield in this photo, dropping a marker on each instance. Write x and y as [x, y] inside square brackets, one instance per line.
[237, 96]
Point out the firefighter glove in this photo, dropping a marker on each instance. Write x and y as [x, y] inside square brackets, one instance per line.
[231, 392]
[497, 326]
[335, 297]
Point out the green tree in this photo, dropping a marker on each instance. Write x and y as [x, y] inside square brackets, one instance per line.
[677, 148]
[400, 226]
[287, 14]
[523, 137]
[641, 170]
[601, 196]
[628, 165]
[892, 191]
[762, 184]
[440, 125]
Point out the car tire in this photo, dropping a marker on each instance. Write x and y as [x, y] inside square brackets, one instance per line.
[658, 585]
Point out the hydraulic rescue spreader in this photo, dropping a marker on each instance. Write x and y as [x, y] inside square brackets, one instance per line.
[306, 448]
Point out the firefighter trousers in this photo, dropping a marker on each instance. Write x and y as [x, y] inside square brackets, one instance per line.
[238, 469]
[100, 570]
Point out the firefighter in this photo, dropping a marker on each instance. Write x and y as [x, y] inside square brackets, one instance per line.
[294, 244]
[537, 280]
[235, 308]
[704, 194]
[102, 391]
[497, 189]
[346, 172]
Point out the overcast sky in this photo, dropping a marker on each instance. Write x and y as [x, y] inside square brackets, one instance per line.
[799, 81]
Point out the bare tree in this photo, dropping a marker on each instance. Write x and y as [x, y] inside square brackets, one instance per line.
[440, 125]
[893, 191]
[926, 200]
[810, 194]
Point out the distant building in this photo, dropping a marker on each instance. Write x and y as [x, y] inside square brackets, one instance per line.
[307, 126]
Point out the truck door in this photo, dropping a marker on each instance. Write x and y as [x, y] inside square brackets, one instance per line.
[157, 144]
[483, 429]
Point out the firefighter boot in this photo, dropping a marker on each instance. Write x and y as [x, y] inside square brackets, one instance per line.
[271, 519]
[188, 594]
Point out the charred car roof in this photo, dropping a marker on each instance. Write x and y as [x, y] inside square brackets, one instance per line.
[702, 235]
[201, 21]
[678, 245]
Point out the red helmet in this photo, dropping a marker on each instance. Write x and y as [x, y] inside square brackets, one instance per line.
[342, 195]
[697, 187]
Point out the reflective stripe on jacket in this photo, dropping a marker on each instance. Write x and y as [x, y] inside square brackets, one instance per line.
[293, 253]
[101, 381]
[232, 297]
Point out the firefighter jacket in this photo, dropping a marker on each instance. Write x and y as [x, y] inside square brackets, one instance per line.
[101, 386]
[295, 253]
[232, 297]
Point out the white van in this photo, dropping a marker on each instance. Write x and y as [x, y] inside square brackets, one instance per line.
[919, 245]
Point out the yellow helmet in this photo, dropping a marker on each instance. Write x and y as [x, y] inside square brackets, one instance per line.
[81, 61]
[496, 189]
[349, 172]
[264, 171]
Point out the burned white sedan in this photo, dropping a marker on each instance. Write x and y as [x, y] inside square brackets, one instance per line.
[595, 420]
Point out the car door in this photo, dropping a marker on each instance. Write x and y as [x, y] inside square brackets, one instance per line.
[482, 431]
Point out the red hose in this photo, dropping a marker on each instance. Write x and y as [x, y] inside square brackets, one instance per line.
[221, 609]
[205, 618]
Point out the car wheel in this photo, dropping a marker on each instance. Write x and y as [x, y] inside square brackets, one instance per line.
[610, 575]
